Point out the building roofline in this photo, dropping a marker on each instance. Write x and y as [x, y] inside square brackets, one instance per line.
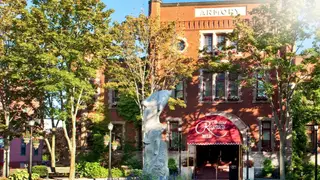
[219, 2]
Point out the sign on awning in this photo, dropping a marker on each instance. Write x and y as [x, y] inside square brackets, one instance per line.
[214, 130]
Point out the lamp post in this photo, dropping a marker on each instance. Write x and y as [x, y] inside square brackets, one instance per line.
[179, 148]
[110, 127]
[6, 148]
[248, 145]
[316, 152]
[31, 124]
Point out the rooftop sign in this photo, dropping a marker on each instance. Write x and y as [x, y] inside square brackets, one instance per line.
[214, 12]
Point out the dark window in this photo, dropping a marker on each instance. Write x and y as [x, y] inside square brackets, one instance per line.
[221, 41]
[114, 97]
[266, 135]
[174, 137]
[36, 151]
[260, 87]
[207, 86]
[233, 93]
[117, 135]
[220, 86]
[23, 148]
[181, 45]
[208, 42]
[178, 92]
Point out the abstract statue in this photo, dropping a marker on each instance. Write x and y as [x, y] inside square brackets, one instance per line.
[155, 150]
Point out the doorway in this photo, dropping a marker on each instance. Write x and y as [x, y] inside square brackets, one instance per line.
[214, 162]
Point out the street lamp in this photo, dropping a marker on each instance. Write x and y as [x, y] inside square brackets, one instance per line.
[31, 124]
[248, 145]
[316, 152]
[179, 148]
[6, 148]
[110, 127]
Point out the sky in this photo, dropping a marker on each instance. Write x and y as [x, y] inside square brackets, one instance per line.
[134, 7]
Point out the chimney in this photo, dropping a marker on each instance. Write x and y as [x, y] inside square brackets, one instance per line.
[154, 8]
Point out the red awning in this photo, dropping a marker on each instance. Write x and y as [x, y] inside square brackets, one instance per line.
[214, 130]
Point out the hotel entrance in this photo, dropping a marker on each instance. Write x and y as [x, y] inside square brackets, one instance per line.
[217, 162]
[218, 143]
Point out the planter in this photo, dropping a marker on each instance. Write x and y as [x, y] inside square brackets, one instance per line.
[26, 140]
[251, 173]
[36, 145]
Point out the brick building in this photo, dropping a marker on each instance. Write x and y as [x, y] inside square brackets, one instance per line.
[221, 114]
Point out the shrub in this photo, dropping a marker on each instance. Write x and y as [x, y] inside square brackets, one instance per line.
[41, 170]
[92, 170]
[133, 163]
[116, 172]
[133, 173]
[173, 169]
[23, 175]
[95, 170]
[267, 168]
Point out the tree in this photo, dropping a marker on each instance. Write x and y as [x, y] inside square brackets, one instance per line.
[148, 60]
[16, 98]
[74, 39]
[268, 43]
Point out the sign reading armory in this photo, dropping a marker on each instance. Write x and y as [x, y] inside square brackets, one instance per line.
[213, 12]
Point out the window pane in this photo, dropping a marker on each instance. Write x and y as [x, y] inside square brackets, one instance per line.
[23, 148]
[220, 85]
[179, 86]
[221, 41]
[266, 135]
[208, 42]
[220, 90]
[266, 125]
[207, 84]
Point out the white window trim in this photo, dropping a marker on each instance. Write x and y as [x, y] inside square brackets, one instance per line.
[112, 104]
[214, 75]
[184, 91]
[214, 38]
[271, 120]
[254, 93]
[168, 120]
[186, 44]
[123, 123]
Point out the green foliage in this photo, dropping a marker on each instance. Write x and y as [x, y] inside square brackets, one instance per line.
[41, 170]
[128, 109]
[134, 173]
[173, 169]
[129, 158]
[95, 170]
[267, 168]
[23, 175]
[92, 170]
[138, 68]
[45, 157]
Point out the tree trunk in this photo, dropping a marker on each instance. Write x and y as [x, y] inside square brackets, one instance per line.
[282, 156]
[73, 150]
[53, 150]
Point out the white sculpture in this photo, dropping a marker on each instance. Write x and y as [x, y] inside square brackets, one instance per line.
[155, 150]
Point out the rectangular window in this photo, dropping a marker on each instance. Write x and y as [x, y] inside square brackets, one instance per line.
[23, 148]
[220, 86]
[36, 151]
[117, 136]
[178, 92]
[174, 137]
[207, 86]
[221, 41]
[208, 42]
[266, 135]
[260, 88]
[233, 91]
